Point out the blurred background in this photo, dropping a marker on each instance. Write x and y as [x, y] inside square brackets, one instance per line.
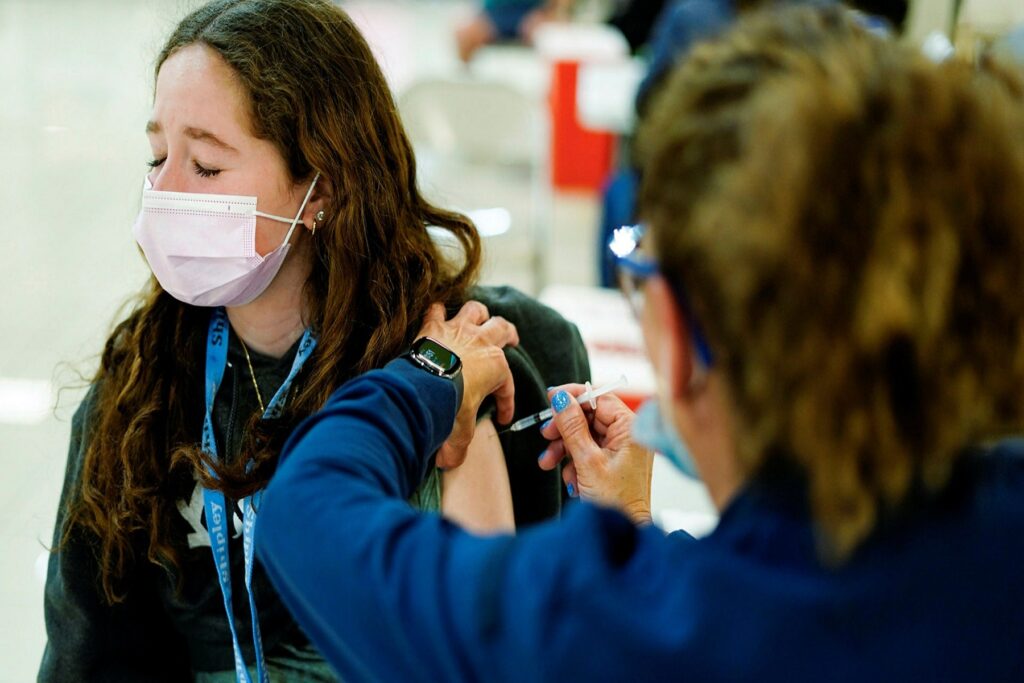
[531, 141]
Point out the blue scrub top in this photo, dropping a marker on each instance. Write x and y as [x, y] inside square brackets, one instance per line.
[389, 594]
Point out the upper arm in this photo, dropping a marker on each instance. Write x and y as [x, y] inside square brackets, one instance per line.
[550, 352]
[476, 494]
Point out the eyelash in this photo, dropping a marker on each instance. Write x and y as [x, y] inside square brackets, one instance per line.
[205, 172]
[200, 170]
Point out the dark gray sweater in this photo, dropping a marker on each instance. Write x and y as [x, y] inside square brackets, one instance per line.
[161, 634]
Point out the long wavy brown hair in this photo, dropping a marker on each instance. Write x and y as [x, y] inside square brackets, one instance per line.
[847, 219]
[317, 93]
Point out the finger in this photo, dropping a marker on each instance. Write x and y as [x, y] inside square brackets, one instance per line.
[499, 332]
[552, 455]
[453, 451]
[549, 431]
[609, 408]
[451, 455]
[505, 395]
[611, 399]
[572, 483]
[574, 389]
[472, 312]
[573, 426]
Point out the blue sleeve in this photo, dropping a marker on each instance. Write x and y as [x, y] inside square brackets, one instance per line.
[386, 593]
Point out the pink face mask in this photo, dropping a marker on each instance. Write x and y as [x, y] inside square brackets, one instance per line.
[202, 247]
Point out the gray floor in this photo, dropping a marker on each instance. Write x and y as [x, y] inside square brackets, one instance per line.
[75, 77]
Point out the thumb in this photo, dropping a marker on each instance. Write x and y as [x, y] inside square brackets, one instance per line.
[572, 424]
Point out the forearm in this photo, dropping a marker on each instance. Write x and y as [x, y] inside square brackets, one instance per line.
[332, 526]
[387, 593]
[382, 591]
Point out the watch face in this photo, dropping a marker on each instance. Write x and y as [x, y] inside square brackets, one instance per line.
[436, 355]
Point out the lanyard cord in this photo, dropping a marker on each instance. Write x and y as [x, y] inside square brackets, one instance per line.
[217, 514]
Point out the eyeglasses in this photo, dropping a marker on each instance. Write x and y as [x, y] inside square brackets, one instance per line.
[633, 268]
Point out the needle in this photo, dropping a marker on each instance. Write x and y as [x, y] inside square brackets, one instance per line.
[588, 396]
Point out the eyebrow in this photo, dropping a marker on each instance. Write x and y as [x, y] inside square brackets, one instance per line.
[195, 134]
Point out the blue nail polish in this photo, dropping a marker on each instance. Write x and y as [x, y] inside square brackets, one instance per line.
[546, 425]
[572, 490]
[542, 454]
[560, 401]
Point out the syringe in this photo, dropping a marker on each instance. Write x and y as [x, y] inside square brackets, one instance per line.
[589, 396]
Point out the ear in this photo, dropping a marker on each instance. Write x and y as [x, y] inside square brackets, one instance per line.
[668, 337]
[319, 200]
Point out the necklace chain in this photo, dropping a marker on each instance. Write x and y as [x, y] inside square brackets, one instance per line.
[252, 376]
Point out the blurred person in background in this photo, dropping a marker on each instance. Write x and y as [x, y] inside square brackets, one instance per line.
[679, 27]
[290, 251]
[829, 289]
[682, 25]
[507, 20]
[891, 13]
[635, 19]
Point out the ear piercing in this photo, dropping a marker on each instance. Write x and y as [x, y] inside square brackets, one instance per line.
[318, 218]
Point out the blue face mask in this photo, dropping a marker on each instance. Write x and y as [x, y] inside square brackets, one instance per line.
[651, 429]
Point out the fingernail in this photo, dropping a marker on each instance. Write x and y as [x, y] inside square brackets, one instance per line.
[560, 401]
[572, 490]
[546, 425]
[550, 388]
[542, 454]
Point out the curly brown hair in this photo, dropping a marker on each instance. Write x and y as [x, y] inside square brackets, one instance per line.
[847, 219]
[317, 93]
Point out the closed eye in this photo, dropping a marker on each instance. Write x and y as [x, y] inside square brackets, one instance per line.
[205, 172]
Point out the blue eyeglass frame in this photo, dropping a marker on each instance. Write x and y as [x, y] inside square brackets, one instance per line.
[633, 266]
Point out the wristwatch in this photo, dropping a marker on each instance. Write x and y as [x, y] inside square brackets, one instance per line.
[437, 359]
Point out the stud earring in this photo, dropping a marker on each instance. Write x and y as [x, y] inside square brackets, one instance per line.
[318, 218]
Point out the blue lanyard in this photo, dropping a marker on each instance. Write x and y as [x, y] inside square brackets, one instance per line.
[218, 517]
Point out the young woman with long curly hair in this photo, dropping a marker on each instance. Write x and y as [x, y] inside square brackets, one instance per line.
[290, 252]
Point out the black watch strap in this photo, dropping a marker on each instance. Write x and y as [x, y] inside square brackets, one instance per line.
[437, 359]
[460, 386]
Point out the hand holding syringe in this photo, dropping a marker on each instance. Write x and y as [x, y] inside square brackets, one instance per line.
[587, 396]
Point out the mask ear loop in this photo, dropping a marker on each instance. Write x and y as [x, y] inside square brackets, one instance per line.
[294, 221]
[302, 208]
